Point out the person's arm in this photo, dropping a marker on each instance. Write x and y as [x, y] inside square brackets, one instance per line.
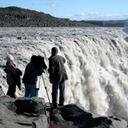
[51, 70]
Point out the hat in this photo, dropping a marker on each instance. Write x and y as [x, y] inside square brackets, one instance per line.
[9, 58]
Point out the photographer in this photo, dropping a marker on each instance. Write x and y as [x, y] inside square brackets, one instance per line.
[30, 76]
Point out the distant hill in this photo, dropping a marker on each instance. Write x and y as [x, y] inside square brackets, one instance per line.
[18, 17]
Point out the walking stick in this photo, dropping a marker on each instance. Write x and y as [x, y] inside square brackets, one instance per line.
[46, 90]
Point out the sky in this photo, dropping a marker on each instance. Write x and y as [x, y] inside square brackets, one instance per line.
[75, 9]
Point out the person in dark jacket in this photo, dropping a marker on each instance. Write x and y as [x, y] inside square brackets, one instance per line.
[57, 76]
[12, 74]
[30, 77]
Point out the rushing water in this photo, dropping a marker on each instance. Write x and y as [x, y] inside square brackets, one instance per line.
[96, 63]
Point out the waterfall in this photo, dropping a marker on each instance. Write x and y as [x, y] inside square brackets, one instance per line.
[96, 63]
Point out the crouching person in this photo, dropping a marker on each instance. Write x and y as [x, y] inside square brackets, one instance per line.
[30, 77]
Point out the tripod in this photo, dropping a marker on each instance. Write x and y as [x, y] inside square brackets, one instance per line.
[37, 89]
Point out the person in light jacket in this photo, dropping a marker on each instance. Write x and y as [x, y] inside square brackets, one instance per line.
[57, 76]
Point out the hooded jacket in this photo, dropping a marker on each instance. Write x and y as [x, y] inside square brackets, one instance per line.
[31, 73]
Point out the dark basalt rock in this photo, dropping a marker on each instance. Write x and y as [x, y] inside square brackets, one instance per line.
[33, 112]
[10, 118]
[75, 116]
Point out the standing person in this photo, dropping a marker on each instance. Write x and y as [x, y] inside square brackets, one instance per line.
[30, 77]
[57, 76]
[12, 74]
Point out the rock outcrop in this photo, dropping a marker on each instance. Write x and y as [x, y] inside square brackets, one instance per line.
[75, 116]
[33, 112]
[22, 113]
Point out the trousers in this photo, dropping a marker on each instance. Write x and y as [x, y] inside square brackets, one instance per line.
[30, 90]
[11, 91]
[61, 87]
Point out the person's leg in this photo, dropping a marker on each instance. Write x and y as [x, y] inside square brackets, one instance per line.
[27, 92]
[55, 94]
[11, 91]
[62, 93]
[32, 90]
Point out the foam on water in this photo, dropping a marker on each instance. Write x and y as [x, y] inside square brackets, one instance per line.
[97, 63]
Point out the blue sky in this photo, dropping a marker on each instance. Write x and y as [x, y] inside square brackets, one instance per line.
[75, 9]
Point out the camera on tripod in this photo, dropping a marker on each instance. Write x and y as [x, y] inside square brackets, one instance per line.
[39, 62]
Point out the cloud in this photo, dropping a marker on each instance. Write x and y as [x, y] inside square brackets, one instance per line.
[98, 16]
[53, 4]
[80, 14]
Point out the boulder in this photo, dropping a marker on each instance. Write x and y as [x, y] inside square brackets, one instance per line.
[75, 116]
[14, 113]
[30, 105]
[38, 123]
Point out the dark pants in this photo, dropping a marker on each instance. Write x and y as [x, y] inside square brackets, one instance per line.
[30, 90]
[61, 87]
[11, 91]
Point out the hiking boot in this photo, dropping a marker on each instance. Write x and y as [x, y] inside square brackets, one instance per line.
[7, 96]
[60, 105]
[55, 106]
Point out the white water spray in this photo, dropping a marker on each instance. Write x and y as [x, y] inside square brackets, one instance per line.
[97, 63]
